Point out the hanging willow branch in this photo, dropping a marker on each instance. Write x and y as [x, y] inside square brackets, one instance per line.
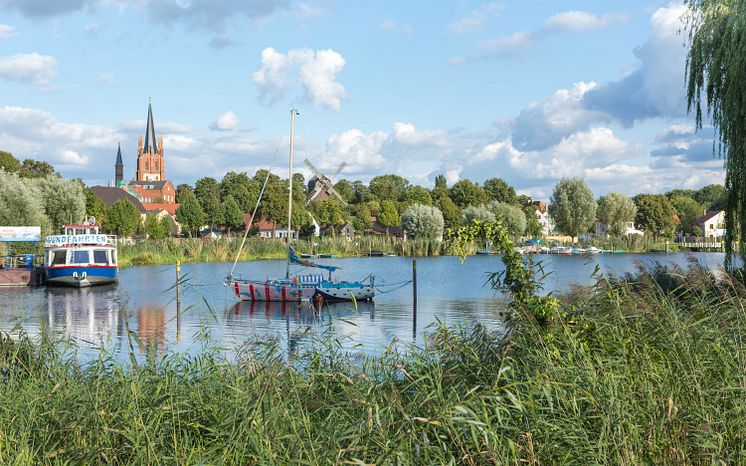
[716, 66]
[518, 279]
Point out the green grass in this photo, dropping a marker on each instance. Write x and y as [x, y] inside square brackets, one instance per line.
[648, 370]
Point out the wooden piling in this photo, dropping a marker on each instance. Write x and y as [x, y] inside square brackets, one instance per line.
[178, 300]
[414, 298]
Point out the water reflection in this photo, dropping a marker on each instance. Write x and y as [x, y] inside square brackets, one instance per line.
[151, 326]
[90, 315]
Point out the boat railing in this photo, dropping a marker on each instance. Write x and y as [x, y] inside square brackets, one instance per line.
[66, 241]
[20, 261]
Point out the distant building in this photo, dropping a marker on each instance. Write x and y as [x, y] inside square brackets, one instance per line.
[270, 230]
[151, 165]
[119, 169]
[711, 224]
[542, 216]
[379, 229]
[629, 229]
[110, 195]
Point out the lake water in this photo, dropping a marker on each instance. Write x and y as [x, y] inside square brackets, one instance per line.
[144, 303]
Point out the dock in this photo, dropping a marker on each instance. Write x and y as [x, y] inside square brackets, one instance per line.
[34, 276]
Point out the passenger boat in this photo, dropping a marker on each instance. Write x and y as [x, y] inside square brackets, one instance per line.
[81, 257]
[298, 287]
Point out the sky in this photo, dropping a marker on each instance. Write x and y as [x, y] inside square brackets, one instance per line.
[528, 91]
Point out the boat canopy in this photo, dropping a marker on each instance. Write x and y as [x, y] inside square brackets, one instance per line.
[295, 260]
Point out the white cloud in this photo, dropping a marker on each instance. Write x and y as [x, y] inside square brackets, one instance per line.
[476, 20]
[70, 157]
[510, 45]
[7, 31]
[580, 21]
[315, 71]
[406, 133]
[388, 24]
[225, 122]
[29, 67]
[361, 151]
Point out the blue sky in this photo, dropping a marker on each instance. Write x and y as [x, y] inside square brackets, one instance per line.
[530, 91]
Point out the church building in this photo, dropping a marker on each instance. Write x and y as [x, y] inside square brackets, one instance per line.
[150, 185]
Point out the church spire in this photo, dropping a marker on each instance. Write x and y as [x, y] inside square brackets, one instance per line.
[151, 145]
[119, 168]
[119, 156]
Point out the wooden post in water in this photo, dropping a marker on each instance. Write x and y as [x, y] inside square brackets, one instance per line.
[414, 299]
[178, 300]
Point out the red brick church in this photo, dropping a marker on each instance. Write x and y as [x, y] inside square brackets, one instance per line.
[150, 186]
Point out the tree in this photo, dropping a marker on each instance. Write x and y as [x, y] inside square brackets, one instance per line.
[181, 190]
[9, 163]
[389, 215]
[423, 222]
[451, 212]
[232, 213]
[615, 210]
[94, 207]
[712, 197]
[36, 169]
[655, 214]
[207, 192]
[500, 191]
[440, 183]
[533, 225]
[716, 81]
[572, 206]
[168, 227]
[63, 200]
[688, 211]
[330, 213]
[480, 213]
[510, 217]
[20, 203]
[418, 195]
[123, 218]
[464, 193]
[362, 192]
[345, 189]
[389, 187]
[361, 219]
[189, 214]
[154, 228]
[244, 190]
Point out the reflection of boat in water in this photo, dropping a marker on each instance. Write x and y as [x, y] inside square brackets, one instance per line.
[86, 314]
[303, 312]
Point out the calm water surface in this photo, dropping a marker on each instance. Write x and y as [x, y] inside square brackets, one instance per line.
[144, 303]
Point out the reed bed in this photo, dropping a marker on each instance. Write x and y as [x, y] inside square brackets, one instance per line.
[145, 252]
[645, 369]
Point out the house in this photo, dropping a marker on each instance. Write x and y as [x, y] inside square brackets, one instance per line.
[346, 230]
[110, 195]
[629, 230]
[379, 229]
[270, 230]
[711, 224]
[542, 215]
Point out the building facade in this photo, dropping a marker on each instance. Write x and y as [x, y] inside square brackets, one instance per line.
[150, 162]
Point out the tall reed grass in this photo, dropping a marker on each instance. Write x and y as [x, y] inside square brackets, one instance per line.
[645, 369]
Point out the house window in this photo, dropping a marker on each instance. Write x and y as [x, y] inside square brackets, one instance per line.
[146, 165]
[712, 226]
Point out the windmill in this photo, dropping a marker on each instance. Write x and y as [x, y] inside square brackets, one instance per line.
[321, 187]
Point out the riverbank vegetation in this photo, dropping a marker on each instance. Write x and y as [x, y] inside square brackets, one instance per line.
[645, 370]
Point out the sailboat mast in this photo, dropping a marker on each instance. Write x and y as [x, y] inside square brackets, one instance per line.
[293, 112]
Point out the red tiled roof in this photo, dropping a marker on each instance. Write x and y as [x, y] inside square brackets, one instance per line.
[168, 207]
[265, 225]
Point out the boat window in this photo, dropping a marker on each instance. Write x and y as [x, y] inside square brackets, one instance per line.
[80, 257]
[80, 231]
[114, 257]
[100, 257]
[58, 257]
[69, 231]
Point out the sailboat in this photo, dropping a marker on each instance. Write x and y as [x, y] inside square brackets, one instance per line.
[298, 287]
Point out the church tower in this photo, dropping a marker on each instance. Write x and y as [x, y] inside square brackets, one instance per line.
[119, 169]
[150, 163]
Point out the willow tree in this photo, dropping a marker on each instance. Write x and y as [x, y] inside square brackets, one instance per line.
[716, 80]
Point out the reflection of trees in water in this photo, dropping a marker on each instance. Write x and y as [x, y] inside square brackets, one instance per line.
[90, 315]
[151, 326]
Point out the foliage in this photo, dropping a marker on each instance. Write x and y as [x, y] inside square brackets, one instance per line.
[655, 214]
[451, 212]
[189, 214]
[688, 211]
[154, 228]
[63, 200]
[389, 215]
[423, 222]
[465, 193]
[417, 195]
[480, 213]
[572, 206]
[389, 187]
[123, 218]
[615, 210]
[20, 203]
[36, 169]
[207, 192]
[243, 189]
[345, 189]
[9, 163]
[361, 219]
[181, 191]
[498, 190]
[94, 207]
[330, 212]
[533, 225]
[711, 197]
[232, 213]
[714, 66]
[510, 217]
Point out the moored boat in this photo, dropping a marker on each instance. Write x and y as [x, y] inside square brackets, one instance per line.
[81, 257]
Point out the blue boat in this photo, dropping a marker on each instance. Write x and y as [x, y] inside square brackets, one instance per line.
[81, 257]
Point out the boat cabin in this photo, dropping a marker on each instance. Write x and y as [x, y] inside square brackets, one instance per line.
[81, 245]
